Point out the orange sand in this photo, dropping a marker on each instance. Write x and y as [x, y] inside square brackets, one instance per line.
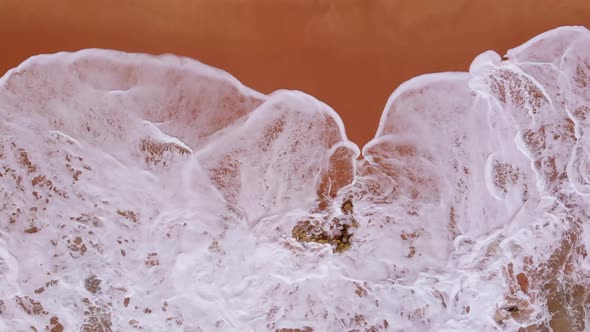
[348, 53]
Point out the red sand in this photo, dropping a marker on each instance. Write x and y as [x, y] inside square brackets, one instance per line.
[348, 53]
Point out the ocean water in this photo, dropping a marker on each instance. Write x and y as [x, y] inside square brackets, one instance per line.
[160, 194]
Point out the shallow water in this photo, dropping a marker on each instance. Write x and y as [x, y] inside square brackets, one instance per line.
[159, 193]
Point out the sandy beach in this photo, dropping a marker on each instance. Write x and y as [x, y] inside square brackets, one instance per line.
[350, 54]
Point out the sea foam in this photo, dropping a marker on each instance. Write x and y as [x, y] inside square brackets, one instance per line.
[158, 193]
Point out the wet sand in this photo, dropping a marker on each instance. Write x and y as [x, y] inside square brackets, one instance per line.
[348, 53]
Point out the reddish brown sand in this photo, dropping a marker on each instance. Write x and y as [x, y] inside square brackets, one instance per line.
[348, 53]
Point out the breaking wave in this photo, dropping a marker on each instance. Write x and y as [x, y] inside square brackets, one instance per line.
[158, 193]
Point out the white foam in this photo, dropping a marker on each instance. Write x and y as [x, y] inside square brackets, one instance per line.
[160, 193]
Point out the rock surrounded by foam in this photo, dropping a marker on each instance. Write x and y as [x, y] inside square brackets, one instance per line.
[158, 193]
